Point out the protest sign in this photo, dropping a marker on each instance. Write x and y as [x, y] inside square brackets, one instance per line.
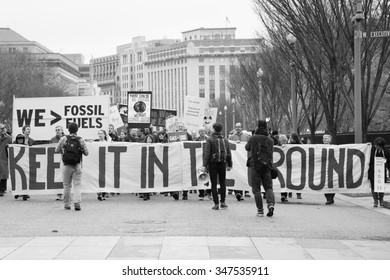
[139, 105]
[91, 113]
[159, 116]
[194, 109]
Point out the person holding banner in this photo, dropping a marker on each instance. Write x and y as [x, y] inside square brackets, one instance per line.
[217, 159]
[327, 139]
[71, 174]
[102, 137]
[26, 130]
[21, 141]
[5, 139]
[378, 150]
[112, 133]
[203, 137]
[239, 136]
[59, 133]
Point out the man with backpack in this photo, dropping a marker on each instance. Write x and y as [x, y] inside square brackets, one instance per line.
[72, 148]
[262, 148]
[217, 158]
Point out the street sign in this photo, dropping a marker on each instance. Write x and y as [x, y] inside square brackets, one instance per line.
[377, 34]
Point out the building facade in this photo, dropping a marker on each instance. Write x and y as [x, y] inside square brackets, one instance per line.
[198, 65]
[104, 73]
[65, 70]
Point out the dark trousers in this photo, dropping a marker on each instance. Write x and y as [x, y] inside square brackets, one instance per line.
[3, 185]
[330, 196]
[218, 171]
[262, 178]
[376, 195]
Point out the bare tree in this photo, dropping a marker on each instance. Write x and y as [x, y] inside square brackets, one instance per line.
[23, 76]
[324, 52]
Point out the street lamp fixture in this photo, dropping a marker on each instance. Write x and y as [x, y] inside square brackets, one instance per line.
[225, 109]
[243, 106]
[291, 39]
[259, 77]
[234, 110]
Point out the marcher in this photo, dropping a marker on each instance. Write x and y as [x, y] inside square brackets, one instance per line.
[26, 130]
[238, 136]
[175, 195]
[21, 141]
[217, 159]
[102, 137]
[203, 137]
[72, 147]
[112, 133]
[262, 176]
[59, 133]
[5, 139]
[327, 139]
[294, 139]
[378, 150]
[149, 139]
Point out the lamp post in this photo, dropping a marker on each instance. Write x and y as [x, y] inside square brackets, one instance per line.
[243, 106]
[225, 109]
[358, 35]
[234, 111]
[259, 76]
[291, 39]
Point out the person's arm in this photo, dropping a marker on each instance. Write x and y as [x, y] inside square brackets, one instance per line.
[60, 145]
[206, 153]
[248, 144]
[84, 147]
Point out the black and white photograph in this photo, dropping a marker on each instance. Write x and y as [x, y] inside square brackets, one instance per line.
[184, 139]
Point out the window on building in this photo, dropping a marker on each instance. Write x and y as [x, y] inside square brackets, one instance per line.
[202, 92]
[232, 49]
[211, 50]
[201, 70]
[222, 71]
[124, 59]
[212, 89]
[201, 59]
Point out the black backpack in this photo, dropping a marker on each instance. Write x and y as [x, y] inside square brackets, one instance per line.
[219, 152]
[72, 150]
[260, 160]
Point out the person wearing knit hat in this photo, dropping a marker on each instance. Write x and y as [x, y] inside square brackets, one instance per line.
[71, 173]
[261, 176]
[327, 140]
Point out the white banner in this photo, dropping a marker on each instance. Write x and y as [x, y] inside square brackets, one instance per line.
[137, 167]
[44, 114]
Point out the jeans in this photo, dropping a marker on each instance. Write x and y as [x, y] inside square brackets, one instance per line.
[218, 171]
[71, 175]
[259, 178]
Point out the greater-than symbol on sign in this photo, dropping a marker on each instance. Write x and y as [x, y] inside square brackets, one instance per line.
[57, 117]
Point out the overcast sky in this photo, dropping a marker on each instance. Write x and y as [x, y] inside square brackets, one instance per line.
[95, 28]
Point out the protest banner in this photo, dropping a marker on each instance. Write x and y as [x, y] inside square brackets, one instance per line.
[91, 113]
[136, 168]
[139, 105]
[194, 109]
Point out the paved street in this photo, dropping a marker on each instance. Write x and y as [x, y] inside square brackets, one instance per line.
[126, 227]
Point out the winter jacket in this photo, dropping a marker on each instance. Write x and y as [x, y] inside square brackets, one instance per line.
[211, 151]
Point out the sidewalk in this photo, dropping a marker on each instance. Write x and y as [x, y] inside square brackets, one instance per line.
[189, 248]
[168, 247]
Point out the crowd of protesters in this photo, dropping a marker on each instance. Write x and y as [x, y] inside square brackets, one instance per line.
[217, 169]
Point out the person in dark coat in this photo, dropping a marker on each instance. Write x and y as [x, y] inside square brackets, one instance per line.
[378, 150]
